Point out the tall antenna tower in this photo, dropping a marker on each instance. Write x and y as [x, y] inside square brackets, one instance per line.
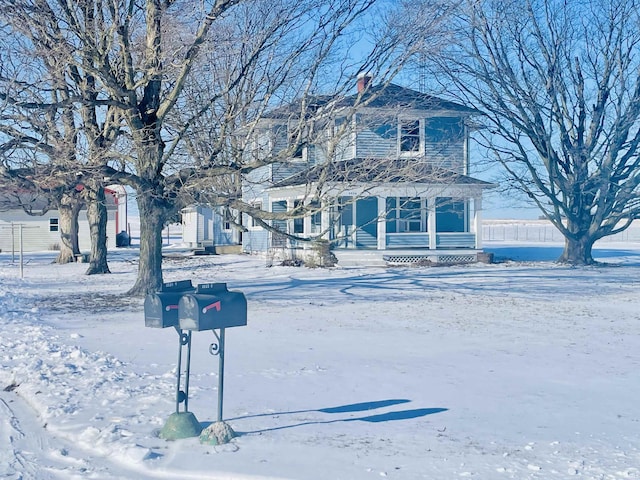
[422, 72]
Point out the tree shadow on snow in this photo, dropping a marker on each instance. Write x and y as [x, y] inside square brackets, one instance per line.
[353, 407]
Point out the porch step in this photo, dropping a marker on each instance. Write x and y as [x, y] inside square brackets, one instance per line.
[228, 249]
[359, 259]
[208, 250]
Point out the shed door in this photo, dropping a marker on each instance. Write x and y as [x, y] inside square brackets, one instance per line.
[200, 222]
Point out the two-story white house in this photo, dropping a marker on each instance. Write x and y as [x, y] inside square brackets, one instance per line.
[385, 182]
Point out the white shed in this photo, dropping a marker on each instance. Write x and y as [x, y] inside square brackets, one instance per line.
[41, 232]
[197, 226]
[211, 230]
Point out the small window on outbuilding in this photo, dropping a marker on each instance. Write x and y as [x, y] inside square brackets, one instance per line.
[53, 224]
[228, 219]
[252, 223]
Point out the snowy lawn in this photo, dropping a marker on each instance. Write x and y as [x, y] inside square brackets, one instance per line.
[521, 369]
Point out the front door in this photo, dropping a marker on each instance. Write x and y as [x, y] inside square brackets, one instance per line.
[367, 223]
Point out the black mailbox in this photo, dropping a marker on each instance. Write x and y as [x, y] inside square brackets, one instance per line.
[161, 309]
[212, 306]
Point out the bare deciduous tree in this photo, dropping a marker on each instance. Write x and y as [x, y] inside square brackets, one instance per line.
[53, 126]
[168, 70]
[559, 85]
[39, 136]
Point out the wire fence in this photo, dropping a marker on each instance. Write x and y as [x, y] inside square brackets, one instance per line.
[543, 232]
[28, 238]
[34, 239]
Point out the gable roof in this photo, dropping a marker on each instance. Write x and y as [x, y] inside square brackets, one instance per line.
[396, 97]
[37, 201]
[391, 96]
[13, 199]
[361, 170]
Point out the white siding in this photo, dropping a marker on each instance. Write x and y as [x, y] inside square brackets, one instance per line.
[36, 234]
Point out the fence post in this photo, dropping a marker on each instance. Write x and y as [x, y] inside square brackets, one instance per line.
[21, 256]
[13, 245]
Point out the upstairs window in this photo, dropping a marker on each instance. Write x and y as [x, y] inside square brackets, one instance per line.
[53, 224]
[409, 136]
[297, 147]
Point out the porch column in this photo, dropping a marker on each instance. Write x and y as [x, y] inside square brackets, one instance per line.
[306, 221]
[431, 222]
[290, 206]
[325, 221]
[477, 220]
[382, 223]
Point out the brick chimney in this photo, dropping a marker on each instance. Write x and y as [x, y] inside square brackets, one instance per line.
[364, 79]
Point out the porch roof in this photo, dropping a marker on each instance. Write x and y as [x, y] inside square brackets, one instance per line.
[376, 171]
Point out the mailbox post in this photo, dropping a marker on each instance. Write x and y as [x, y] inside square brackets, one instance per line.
[209, 306]
[220, 371]
[161, 311]
[213, 307]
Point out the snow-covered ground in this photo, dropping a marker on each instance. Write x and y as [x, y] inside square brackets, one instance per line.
[521, 369]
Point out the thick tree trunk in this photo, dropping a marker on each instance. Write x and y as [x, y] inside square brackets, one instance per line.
[97, 217]
[577, 251]
[69, 210]
[152, 215]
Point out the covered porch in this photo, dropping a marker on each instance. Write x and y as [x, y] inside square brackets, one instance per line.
[402, 222]
[391, 225]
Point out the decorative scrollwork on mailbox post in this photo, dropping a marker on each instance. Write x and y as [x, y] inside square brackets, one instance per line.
[214, 348]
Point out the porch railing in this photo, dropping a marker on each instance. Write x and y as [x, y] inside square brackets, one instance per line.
[407, 240]
[456, 240]
[421, 240]
[393, 240]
